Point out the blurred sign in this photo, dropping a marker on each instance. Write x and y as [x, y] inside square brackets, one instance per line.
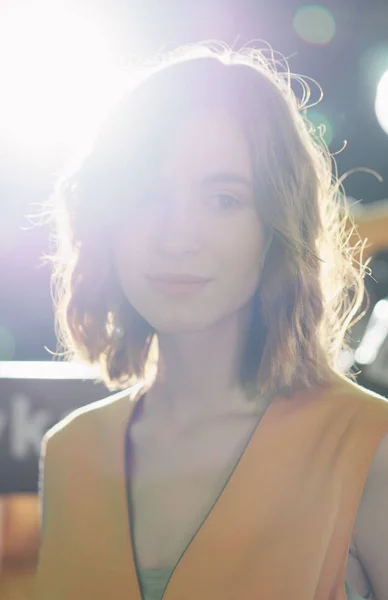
[33, 397]
[377, 371]
[372, 352]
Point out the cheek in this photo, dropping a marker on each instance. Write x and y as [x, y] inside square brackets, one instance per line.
[243, 252]
[133, 238]
[128, 256]
[242, 277]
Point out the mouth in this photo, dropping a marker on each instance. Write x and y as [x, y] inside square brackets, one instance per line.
[177, 284]
[178, 278]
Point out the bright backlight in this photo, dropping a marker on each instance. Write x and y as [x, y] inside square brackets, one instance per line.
[58, 79]
[381, 103]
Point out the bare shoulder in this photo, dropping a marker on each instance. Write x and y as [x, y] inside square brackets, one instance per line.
[370, 533]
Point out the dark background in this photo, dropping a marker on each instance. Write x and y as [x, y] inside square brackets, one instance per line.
[344, 67]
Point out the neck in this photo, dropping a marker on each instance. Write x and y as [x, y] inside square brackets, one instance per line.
[199, 374]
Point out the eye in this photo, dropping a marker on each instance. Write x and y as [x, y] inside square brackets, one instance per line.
[225, 201]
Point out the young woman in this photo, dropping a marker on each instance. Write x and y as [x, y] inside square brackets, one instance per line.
[202, 261]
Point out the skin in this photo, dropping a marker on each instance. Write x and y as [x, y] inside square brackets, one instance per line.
[199, 217]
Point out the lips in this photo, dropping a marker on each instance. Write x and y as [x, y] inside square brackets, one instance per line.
[173, 284]
[178, 278]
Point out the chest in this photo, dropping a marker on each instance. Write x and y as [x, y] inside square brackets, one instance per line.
[175, 481]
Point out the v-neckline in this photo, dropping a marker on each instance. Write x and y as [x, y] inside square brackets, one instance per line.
[264, 416]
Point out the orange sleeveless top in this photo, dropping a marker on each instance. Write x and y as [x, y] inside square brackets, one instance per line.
[281, 527]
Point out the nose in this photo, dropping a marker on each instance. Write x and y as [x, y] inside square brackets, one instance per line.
[178, 228]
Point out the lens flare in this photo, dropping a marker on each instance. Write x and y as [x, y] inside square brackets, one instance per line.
[314, 24]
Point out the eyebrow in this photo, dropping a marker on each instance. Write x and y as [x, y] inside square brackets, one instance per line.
[226, 177]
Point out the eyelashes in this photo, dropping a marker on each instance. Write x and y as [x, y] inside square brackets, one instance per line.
[225, 201]
[140, 200]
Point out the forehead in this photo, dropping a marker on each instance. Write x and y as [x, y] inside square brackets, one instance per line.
[210, 141]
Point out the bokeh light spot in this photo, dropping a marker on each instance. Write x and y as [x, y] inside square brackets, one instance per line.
[373, 65]
[314, 24]
[381, 102]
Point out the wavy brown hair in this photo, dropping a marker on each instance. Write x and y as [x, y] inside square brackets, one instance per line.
[311, 287]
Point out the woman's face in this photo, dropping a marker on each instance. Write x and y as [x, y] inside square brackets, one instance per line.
[196, 217]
